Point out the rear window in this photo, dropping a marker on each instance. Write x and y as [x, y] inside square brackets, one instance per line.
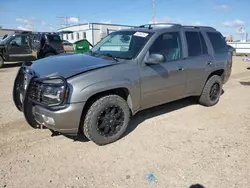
[54, 38]
[218, 42]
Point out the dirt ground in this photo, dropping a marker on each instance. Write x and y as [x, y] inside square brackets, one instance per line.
[175, 145]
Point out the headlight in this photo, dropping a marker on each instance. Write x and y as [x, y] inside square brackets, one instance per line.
[53, 92]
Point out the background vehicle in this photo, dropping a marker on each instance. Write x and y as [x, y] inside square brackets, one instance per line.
[67, 46]
[28, 46]
[128, 71]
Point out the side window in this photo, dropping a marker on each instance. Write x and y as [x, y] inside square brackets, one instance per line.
[194, 44]
[169, 45]
[18, 40]
[218, 42]
[21, 40]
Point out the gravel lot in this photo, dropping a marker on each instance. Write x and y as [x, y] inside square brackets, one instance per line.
[180, 144]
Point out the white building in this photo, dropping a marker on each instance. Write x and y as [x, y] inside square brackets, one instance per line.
[93, 32]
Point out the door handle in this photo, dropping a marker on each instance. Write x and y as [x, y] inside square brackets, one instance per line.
[181, 69]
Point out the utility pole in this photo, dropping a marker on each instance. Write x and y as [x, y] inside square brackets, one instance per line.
[153, 19]
[63, 21]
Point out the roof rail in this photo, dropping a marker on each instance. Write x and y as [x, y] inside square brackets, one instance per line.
[34, 32]
[23, 32]
[150, 26]
[199, 27]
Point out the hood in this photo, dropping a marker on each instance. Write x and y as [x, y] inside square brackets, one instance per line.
[68, 65]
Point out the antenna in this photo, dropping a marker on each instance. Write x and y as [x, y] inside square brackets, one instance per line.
[153, 19]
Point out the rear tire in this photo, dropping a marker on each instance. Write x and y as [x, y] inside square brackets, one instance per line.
[212, 91]
[1, 62]
[106, 120]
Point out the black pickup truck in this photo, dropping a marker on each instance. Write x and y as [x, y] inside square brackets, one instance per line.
[29, 46]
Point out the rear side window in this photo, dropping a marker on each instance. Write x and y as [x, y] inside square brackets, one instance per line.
[193, 42]
[218, 42]
[196, 44]
[54, 38]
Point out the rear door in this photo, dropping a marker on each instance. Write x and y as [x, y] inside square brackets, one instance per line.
[199, 60]
[55, 42]
[19, 48]
[221, 52]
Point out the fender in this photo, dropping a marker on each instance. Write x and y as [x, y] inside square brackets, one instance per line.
[133, 88]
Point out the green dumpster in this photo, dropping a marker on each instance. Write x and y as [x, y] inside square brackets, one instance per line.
[82, 46]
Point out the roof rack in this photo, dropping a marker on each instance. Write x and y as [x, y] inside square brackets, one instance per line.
[199, 27]
[150, 26]
[23, 32]
[44, 32]
[64, 32]
[34, 32]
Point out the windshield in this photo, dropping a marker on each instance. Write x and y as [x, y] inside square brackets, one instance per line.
[122, 44]
[7, 39]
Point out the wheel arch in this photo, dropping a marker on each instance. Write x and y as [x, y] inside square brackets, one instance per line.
[123, 92]
[219, 72]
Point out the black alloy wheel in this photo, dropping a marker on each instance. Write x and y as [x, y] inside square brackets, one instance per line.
[110, 121]
[212, 91]
[106, 120]
[215, 91]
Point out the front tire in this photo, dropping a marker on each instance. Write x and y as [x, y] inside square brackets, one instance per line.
[106, 119]
[212, 91]
[1, 62]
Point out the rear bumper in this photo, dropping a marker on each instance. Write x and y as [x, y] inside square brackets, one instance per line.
[66, 120]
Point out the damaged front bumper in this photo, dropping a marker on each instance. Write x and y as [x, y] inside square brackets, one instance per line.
[64, 118]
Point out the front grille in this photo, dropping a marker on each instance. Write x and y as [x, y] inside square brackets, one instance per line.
[35, 90]
[20, 85]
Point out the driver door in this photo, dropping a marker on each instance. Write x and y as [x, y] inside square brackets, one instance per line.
[19, 48]
[166, 81]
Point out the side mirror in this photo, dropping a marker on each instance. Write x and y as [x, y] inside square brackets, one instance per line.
[154, 59]
[13, 43]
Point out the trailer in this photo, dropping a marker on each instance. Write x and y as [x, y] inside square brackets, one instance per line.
[92, 32]
[241, 48]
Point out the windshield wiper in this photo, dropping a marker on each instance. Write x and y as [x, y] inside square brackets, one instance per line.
[93, 53]
[110, 55]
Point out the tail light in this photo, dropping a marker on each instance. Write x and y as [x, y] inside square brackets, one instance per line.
[62, 47]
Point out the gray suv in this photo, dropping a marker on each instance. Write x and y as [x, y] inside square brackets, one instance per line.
[96, 93]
